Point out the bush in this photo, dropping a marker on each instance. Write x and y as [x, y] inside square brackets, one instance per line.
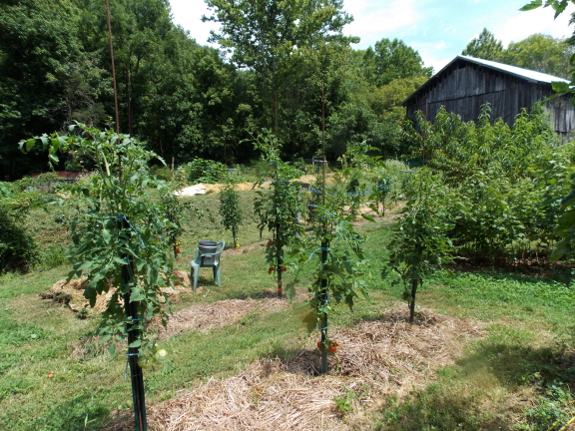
[162, 173]
[207, 171]
[44, 182]
[506, 182]
[18, 250]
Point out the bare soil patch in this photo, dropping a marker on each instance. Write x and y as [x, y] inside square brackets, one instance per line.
[375, 359]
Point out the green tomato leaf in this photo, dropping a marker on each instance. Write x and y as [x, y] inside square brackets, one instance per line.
[310, 321]
[135, 344]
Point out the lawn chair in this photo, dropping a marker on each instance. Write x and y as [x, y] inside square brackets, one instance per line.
[208, 255]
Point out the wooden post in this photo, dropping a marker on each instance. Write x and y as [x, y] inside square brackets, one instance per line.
[113, 66]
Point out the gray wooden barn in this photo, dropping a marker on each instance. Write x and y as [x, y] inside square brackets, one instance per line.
[466, 83]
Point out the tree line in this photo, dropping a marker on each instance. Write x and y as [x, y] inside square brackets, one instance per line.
[539, 52]
[283, 66]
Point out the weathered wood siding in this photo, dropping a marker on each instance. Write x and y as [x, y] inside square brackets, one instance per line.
[465, 87]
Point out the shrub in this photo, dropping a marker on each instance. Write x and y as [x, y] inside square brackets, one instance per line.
[18, 250]
[506, 181]
[207, 171]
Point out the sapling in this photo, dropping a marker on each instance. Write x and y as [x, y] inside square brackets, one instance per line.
[420, 243]
[231, 211]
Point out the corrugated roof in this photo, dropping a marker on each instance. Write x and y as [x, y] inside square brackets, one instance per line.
[518, 71]
[527, 74]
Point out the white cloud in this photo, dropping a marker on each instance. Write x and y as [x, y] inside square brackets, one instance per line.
[371, 18]
[536, 21]
[433, 55]
[188, 14]
[440, 45]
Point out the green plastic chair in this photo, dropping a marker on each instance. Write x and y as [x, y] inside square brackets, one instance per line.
[208, 260]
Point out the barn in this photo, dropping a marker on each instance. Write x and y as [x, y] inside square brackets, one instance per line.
[466, 83]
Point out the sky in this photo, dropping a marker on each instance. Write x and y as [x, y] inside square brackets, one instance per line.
[438, 29]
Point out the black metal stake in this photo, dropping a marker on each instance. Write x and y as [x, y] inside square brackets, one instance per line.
[323, 319]
[134, 333]
[412, 303]
[279, 261]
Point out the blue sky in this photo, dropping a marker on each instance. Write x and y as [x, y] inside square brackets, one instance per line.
[438, 29]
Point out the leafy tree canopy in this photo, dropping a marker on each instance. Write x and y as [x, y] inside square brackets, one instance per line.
[542, 53]
[393, 59]
[484, 46]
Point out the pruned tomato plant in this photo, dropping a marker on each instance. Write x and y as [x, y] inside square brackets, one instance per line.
[120, 239]
[231, 211]
[116, 225]
[279, 207]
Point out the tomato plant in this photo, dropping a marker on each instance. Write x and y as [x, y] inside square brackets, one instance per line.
[334, 249]
[117, 227]
[120, 240]
[278, 207]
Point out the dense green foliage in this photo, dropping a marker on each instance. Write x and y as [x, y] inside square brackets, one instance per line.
[206, 171]
[539, 52]
[187, 101]
[506, 184]
[18, 250]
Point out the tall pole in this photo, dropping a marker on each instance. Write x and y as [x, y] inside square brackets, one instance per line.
[109, 20]
[113, 66]
[324, 247]
[323, 161]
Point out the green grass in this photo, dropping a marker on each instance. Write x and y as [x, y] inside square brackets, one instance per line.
[517, 377]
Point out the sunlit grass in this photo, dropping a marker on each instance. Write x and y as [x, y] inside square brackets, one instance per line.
[507, 380]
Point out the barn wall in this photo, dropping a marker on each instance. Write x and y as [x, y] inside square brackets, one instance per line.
[465, 87]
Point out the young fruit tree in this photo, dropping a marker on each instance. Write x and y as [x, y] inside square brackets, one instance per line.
[230, 211]
[120, 241]
[420, 242]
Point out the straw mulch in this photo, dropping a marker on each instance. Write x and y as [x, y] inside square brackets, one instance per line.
[375, 359]
[72, 293]
[204, 317]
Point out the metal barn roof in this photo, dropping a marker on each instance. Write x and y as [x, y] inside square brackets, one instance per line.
[517, 71]
[529, 75]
